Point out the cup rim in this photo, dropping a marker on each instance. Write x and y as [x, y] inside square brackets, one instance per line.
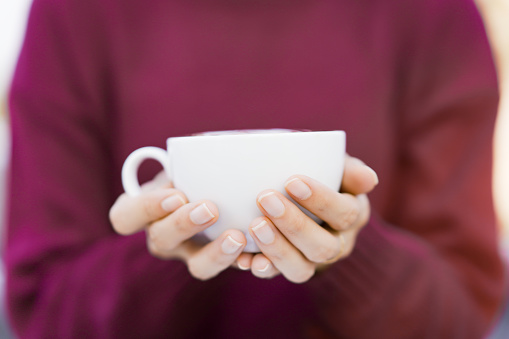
[253, 133]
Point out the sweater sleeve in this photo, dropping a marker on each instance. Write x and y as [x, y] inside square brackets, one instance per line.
[431, 267]
[61, 250]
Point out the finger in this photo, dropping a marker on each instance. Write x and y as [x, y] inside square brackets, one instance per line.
[168, 233]
[131, 214]
[261, 267]
[217, 255]
[243, 261]
[184, 251]
[348, 240]
[280, 252]
[340, 255]
[315, 242]
[358, 177]
[339, 210]
[161, 180]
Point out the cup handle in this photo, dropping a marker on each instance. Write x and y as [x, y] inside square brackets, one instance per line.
[133, 162]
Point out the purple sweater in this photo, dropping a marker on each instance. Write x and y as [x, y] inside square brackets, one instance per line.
[411, 82]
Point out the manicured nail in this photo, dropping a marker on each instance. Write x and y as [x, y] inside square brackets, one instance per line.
[272, 204]
[173, 202]
[201, 215]
[264, 233]
[242, 267]
[230, 245]
[265, 269]
[298, 189]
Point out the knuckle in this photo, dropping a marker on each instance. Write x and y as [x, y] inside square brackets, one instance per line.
[349, 217]
[323, 253]
[295, 226]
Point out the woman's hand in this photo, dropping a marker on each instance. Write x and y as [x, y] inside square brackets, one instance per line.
[170, 222]
[292, 243]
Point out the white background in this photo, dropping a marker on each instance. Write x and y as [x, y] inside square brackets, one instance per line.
[12, 26]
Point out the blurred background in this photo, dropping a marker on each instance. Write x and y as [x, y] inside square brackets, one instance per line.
[12, 26]
[13, 15]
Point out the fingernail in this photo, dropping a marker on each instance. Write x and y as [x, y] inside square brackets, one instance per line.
[272, 204]
[242, 267]
[201, 215]
[173, 202]
[359, 162]
[298, 189]
[265, 269]
[373, 173]
[230, 245]
[264, 233]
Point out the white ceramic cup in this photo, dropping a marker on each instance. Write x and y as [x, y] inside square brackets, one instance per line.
[231, 168]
